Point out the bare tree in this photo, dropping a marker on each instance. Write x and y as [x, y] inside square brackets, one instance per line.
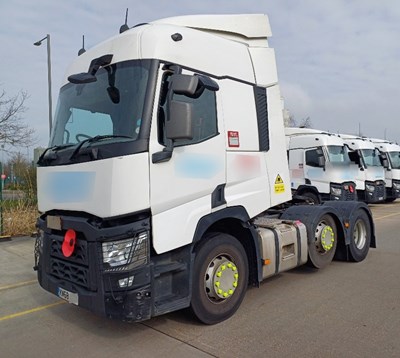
[303, 123]
[13, 131]
[292, 121]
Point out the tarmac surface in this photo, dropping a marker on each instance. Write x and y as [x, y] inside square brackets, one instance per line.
[345, 310]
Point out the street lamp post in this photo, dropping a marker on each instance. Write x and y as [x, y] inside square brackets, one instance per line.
[38, 43]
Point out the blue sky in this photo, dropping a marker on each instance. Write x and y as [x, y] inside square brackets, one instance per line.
[338, 61]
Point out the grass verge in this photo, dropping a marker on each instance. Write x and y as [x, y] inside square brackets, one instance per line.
[19, 217]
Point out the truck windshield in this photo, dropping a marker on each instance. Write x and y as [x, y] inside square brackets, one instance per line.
[338, 154]
[111, 107]
[371, 157]
[395, 159]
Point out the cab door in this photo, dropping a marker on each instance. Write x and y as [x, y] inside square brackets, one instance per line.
[189, 184]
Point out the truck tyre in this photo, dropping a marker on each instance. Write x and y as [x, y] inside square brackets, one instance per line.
[220, 278]
[322, 246]
[313, 198]
[360, 236]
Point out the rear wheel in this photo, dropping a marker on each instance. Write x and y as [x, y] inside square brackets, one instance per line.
[360, 236]
[220, 278]
[322, 246]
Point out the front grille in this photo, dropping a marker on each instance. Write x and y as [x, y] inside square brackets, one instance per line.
[79, 256]
[380, 190]
[349, 192]
[75, 268]
[70, 272]
[346, 193]
[348, 196]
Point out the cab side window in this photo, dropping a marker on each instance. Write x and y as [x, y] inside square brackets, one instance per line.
[312, 158]
[204, 116]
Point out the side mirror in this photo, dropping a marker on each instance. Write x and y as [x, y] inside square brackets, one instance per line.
[384, 160]
[180, 121]
[192, 86]
[184, 84]
[81, 78]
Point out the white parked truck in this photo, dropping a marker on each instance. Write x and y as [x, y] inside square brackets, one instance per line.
[166, 184]
[319, 165]
[370, 178]
[391, 161]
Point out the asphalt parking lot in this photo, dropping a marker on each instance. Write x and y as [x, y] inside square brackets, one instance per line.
[345, 310]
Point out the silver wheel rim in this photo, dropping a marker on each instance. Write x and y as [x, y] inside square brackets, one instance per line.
[221, 278]
[360, 234]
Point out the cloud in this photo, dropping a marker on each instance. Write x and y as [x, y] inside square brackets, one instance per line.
[297, 100]
[338, 60]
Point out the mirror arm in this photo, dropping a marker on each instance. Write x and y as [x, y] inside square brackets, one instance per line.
[163, 155]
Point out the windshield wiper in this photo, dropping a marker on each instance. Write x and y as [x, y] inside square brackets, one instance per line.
[54, 148]
[95, 139]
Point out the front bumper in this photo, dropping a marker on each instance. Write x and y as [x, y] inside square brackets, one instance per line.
[377, 195]
[394, 190]
[83, 274]
[343, 192]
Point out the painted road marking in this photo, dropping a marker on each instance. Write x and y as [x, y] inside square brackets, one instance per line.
[387, 216]
[19, 284]
[36, 309]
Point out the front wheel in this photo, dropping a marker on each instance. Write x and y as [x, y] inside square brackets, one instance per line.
[312, 198]
[220, 278]
[322, 246]
[360, 236]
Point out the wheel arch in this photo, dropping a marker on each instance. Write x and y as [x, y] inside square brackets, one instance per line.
[307, 188]
[235, 222]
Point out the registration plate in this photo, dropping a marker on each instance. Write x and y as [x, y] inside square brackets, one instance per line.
[68, 296]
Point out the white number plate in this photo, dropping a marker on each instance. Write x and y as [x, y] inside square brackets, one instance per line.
[71, 297]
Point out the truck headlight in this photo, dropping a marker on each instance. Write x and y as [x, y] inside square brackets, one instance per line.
[369, 187]
[336, 191]
[125, 254]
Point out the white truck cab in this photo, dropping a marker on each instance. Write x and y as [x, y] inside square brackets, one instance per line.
[319, 165]
[370, 178]
[166, 183]
[391, 159]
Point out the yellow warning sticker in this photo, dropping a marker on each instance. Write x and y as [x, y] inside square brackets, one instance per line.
[278, 180]
[279, 186]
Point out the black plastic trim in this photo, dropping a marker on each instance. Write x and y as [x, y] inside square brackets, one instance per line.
[298, 246]
[218, 196]
[150, 98]
[233, 212]
[260, 96]
[310, 188]
[210, 74]
[276, 250]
